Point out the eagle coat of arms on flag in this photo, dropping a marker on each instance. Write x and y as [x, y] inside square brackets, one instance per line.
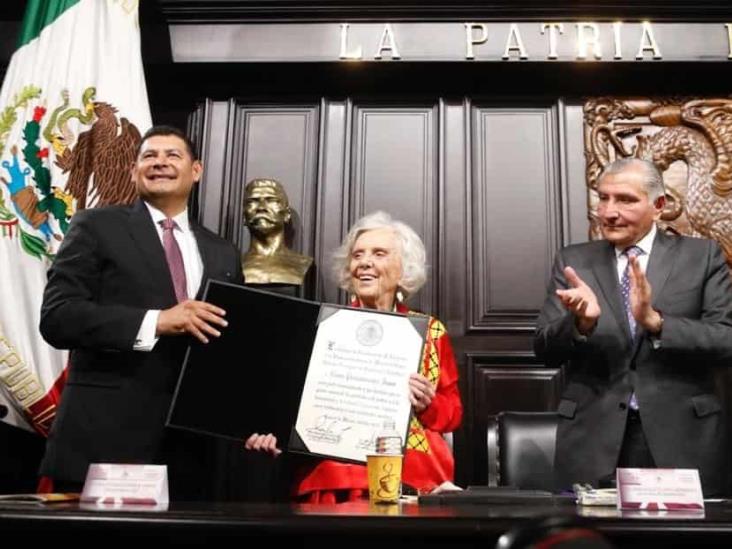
[72, 104]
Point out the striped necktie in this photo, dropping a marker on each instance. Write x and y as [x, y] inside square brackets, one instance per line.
[631, 251]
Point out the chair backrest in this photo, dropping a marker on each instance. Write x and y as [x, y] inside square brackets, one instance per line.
[521, 450]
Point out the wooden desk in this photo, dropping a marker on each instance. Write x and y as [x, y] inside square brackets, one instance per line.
[348, 525]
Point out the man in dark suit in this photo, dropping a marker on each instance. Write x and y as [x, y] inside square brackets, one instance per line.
[121, 295]
[641, 321]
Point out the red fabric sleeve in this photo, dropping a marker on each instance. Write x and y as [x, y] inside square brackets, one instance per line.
[445, 412]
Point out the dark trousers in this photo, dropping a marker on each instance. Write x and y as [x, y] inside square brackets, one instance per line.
[634, 451]
[192, 464]
[67, 486]
[191, 461]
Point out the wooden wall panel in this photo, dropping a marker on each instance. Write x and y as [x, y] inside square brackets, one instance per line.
[576, 225]
[333, 193]
[515, 222]
[281, 143]
[394, 169]
[454, 204]
[241, 142]
[209, 127]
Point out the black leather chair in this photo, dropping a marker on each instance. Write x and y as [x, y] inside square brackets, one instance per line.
[521, 450]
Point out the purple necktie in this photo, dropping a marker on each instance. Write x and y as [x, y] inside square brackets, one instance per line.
[174, 259]
[632, 251]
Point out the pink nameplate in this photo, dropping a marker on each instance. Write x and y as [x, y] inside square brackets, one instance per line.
[659, 489]
[121, 483]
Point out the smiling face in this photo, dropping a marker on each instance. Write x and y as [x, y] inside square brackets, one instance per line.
[265, 209]
[625, 210]
[376, 268]
[164, 173]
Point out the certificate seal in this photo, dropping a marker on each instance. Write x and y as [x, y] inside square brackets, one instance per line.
[369, 333]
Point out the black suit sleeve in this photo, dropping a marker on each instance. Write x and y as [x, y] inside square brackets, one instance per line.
[71, 315]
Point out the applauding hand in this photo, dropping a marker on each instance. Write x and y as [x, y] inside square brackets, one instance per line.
[581, 301]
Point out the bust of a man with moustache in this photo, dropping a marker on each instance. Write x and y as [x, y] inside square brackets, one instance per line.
[269, 260]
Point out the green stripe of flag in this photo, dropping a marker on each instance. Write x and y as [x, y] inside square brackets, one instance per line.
[39, 14]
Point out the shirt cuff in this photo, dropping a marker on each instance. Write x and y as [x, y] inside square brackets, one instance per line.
[577, 337]
[145, 339]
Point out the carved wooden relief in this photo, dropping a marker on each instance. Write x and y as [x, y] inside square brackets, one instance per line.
[688, 139]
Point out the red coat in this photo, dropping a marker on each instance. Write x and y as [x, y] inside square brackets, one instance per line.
[428, 461]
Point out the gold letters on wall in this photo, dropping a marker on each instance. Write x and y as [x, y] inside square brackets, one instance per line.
[688, 139]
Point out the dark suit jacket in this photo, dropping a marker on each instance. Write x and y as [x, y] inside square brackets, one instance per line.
[681, 413]
[109, 270]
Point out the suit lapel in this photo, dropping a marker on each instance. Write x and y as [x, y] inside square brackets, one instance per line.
[606, 271]
[660, 263]
[657, 271]
[146, 238]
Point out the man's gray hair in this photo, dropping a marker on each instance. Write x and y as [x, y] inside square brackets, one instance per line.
[411, 250]
[652, 178]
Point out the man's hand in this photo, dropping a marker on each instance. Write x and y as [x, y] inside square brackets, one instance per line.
[640, 299]
[581, 301]
[196, 318]
[421, 392]
[263, 443]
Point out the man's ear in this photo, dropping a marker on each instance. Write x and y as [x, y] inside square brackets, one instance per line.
[197, 170]
[288, 214]
[659, 204]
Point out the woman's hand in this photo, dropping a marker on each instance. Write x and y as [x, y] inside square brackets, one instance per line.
[421, 392]
[263, 443]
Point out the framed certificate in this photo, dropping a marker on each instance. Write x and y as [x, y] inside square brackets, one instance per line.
[357, 377]
[250, 379]
[323, 377]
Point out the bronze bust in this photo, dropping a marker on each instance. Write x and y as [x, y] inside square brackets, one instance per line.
[269, 260]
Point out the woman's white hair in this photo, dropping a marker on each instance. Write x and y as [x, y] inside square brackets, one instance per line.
[411, 250]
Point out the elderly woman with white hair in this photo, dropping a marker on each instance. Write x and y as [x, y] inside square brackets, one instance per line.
[381, 263]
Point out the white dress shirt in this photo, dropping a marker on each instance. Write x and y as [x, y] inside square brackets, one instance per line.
[146, 339]
[645, 244]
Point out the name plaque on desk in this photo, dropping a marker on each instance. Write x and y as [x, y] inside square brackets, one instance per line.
[659, 489]
[119, 483]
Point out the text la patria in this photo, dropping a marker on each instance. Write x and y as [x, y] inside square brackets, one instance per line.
[586, 39]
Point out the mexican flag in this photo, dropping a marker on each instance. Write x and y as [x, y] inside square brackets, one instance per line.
[72, 107]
